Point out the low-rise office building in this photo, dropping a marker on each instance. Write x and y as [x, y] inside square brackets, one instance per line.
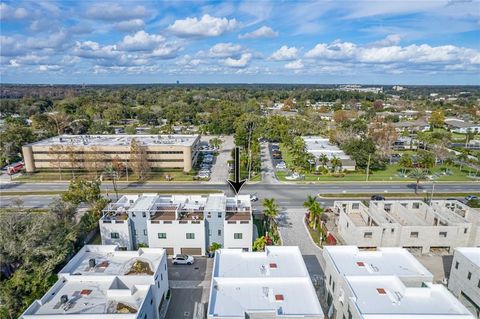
[318, 146]
[104, 282]
[182, 224]
[87, 151]
[383, 284]
[413, 224]
[260, 285]
[464, 281]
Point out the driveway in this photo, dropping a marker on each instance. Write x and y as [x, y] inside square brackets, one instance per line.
[190, 289]
[268, 172]
[220, 168]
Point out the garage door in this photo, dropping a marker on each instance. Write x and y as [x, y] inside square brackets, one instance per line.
[191, 251]
[169, 250]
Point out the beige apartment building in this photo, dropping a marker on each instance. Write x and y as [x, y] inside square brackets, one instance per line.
[87, 151]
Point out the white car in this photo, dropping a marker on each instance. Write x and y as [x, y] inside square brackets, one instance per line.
[294, 176]
[253, 198]
[183, 260]
[281, 165]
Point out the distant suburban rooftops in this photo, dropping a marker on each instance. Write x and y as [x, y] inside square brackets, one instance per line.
[100, 280]
[472, 253]
[389, 297]
[459, 123]
[275, 281]
[117, 140]
[349, 261]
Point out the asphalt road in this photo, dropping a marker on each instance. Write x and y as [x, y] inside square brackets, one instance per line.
[287, 195]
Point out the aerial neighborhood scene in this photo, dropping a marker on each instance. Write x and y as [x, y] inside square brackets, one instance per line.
[180, 159]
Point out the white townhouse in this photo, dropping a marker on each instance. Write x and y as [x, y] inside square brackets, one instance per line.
[271, 284]
[387, 283]
[181, 224]
[102, 282]
[464, 281]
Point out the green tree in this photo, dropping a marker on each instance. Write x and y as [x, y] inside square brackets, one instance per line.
[138, 159]
[82, 191]
[405, 162]
[426, 159]
[336, 163]
[309, 202]
[418, 174]
[259, 244]
[270, 211]
[437, 119]
[112, 173]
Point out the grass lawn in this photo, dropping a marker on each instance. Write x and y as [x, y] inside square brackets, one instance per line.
[42, 176]
[392, 173]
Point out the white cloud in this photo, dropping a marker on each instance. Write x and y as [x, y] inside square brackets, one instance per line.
[93, 50]
[207, 26]
[130, 25]
[9, 13]
[116, 12]
[335, 50]
[242, 62]
[391, 39]
[188, 62]
[223, 50]
[140, 41]
[294, 65]
[284, 54]
[262, 32]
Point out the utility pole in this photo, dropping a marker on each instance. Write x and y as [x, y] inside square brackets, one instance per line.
[368, 166]
[126, 168]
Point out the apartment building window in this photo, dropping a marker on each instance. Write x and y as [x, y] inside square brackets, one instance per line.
[145, 232]
[442, 234]
[144, 214]
[355, 206]
[367, 234]
[414, 234]
[190, 235]
[219, 215]
[162, 235]
[237, 236]
[114, 235]
[469, 276]
[219, 232]
[456, 265]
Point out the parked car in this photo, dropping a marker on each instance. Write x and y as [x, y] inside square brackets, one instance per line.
[377, 197]
[471, 197]
[294, 176]
[183, 260]
[253, 197]
[281, 165]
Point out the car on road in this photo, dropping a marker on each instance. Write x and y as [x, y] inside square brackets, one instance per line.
[377, 197]
[183, 260]
[253, 197]
[471, 197]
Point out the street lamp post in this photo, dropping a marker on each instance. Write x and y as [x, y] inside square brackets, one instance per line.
[431, 195]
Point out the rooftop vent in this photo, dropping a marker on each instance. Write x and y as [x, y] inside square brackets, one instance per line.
[279, 298]
[91, 263]
[273, 265]
[381, 291]
[64, 299]
[85, 292]
[360, 264]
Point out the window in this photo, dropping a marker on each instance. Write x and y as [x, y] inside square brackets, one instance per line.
[237, 236]
[333, 286]
[414, 234]
[219, 232]
[219, 215]
[469, 275]
[133, 215]
[162, 235]
[144, 214]
[367, 234]
[114, 235]
[145, 232]
[416, 205]
[456, 265]
[190, 235]
[161, 277]
[465, 230]
[442, 234]
[355, 206]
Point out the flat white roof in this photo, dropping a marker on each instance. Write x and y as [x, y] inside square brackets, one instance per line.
[118, 140]
[350, 261]
[472, 253]
[110, 287]
[388, 297]
[317, 145]
[274, 281]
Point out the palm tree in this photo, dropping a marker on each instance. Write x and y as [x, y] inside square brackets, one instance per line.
[315, 214]
[270, 211]
[405, 162]
[336, 163]
[462, 157]
[309, 202]
[216, 142]
[323, 159]
[418, 174]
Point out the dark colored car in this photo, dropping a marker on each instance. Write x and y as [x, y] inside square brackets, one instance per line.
[377, 197]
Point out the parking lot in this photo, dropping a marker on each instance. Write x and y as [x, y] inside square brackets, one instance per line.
[214, 163]
[190, 289]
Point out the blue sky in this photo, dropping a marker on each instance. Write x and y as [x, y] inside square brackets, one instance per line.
[339, 41]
